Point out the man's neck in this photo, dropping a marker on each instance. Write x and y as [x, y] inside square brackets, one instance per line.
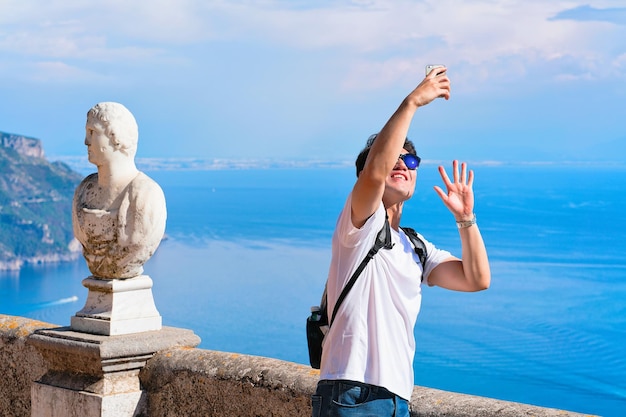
[394, 213]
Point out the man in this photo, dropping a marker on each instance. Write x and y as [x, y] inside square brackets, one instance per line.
[367, 360]
[119, 213]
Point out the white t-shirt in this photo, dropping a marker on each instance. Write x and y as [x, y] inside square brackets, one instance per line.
[371, 339]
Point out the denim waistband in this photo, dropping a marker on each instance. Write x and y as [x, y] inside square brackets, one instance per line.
[375, 389]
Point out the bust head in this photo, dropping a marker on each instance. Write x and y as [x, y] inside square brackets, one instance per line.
[118, 213]
[119, 126]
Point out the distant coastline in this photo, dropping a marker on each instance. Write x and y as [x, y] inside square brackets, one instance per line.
[82, 165]
[18, 263]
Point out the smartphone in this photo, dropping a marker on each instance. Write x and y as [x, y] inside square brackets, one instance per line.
[429, 68]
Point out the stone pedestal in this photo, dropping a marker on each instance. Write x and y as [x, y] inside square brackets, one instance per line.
[94, 375]
[117, 306]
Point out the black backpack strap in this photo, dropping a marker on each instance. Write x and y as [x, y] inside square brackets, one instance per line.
[383, 241]
[418, 245]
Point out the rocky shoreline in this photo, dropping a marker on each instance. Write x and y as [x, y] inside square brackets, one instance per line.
[16, 264]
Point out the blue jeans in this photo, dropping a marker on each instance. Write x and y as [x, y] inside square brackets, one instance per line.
[349, 399]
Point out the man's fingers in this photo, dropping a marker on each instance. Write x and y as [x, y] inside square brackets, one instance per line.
[444, 176]
[463, 172]
[455, 170]
[441, 193]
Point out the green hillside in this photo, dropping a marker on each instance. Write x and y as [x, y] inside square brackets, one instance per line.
[35, 204]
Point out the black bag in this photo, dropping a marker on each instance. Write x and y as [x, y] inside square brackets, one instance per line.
[316, 329]
[317, 324]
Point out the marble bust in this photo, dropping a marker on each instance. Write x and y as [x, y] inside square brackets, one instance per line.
[118, 213]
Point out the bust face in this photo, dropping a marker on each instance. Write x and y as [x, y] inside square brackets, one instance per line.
[99, 147]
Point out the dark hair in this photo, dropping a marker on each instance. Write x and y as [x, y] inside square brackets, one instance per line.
[360, 160]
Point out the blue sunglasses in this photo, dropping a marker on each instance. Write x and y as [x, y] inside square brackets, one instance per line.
[411, 161]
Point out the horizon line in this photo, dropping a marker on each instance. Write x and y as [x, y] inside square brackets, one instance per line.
[81, 163]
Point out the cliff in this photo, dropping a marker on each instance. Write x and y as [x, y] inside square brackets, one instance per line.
[35, 204]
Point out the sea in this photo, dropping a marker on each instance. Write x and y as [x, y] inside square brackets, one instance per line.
[247, 251]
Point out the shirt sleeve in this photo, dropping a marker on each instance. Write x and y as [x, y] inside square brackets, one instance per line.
[350, 236]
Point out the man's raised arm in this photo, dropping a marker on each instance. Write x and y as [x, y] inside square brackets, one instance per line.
[370, 185]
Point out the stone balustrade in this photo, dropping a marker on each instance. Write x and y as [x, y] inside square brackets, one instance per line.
[183, 381]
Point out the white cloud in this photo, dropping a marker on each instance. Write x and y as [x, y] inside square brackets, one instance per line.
[488, 37]
[300, 63]
[55, 71]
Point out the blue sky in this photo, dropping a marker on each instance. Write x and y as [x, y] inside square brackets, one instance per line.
[532, 80]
